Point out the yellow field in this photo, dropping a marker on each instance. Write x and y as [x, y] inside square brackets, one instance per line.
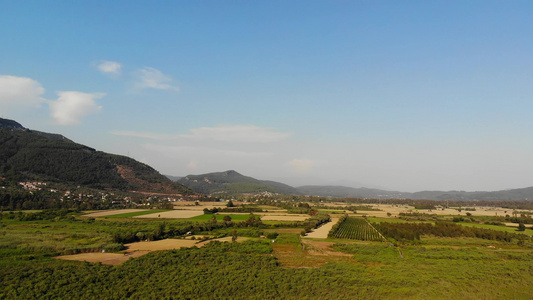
[141, 248]
[283, 217]
[395, 210]
[172, 214]
[322, 231]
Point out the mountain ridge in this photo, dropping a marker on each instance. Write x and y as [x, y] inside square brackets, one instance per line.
[204, 183]
[233, 182]
[34, 155]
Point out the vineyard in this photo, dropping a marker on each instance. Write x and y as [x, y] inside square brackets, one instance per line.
[354, 229]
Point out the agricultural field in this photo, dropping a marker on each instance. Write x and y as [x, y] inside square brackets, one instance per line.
[172, 214]
[323, 231]
[354, 228]
[394, 210]
[284, 217]
[115, 212]
[138, 249]
[270, 261]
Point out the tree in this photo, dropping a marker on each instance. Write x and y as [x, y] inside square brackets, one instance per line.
[234, 236]
[521, 227]
[227, 218]
[230, 204]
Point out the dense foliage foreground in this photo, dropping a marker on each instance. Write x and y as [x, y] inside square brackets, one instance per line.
[431, 265]
[250, 271]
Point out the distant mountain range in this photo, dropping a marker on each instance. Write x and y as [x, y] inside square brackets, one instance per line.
[33, 155]
[231, 182]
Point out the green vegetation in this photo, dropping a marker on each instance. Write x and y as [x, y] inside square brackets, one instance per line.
[355, 229]
[438, 268]
[499, 228]
[28, 155]
[410, 232]
[233, 183]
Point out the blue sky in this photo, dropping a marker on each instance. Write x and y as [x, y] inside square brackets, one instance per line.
[405, 95]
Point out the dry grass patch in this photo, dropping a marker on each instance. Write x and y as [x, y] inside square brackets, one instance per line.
[105, 258]
[283, 217]
[322, 248]
[140, 249]
[323, 231]
[173, 214]
[191, 205]
[293, 256]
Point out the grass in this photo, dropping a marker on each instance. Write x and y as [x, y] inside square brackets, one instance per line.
[528, 231]
[437, 268]
[393, 220]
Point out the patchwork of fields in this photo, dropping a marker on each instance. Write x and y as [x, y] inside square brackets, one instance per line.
[152, 251]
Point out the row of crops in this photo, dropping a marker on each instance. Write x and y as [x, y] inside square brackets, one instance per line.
[355, 229]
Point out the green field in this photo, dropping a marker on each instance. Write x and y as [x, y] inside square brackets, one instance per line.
[355, 229]
[528, 231]
[433, 268]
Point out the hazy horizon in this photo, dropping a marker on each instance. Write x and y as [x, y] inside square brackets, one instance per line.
[405, 96]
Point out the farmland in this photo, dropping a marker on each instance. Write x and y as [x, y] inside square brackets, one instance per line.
[193, 257]
[355, 229]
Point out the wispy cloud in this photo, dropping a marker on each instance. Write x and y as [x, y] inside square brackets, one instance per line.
[72, 106]
[301, 165]
[19, 92]
[154, 79]
[237, 133]
[112, 68]
[145, 135]
[220, 133]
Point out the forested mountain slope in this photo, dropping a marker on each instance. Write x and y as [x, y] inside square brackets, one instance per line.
[32, 155]
[233, 183]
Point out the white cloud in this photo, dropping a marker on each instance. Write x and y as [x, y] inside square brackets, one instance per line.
[71, 106]
[220, 133]
[19, 92]
[302, 165]
[145, 135]
[110, 67]
[237, 133]
[155, 79]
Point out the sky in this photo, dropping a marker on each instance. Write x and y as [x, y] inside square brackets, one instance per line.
[401, 95]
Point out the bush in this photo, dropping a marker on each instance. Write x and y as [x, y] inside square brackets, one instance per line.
[272, 235]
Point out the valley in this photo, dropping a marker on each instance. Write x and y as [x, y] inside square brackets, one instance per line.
[99, 232]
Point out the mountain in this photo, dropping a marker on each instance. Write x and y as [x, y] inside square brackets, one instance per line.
[232, 182]
[33, 155]
[174, 178]
[511, 194]
[347, 192]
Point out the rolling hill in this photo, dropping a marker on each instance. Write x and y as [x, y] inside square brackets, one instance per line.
[231, 182]
[347, 192]
[33, 155]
